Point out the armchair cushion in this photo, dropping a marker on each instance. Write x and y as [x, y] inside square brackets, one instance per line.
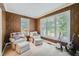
[22, 43]
[38, 41]
[22, 46]
[17, 35]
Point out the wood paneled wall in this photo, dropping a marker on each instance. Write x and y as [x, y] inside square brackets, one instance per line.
[37, 25]
[13, 24]
[32, 25]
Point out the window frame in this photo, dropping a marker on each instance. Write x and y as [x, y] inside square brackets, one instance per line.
[55, 20]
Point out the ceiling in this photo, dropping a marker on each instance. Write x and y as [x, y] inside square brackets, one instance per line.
[34, 10]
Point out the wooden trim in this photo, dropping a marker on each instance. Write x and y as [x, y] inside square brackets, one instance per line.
[2, 6]
[55, 41]
[21, 15]
[58, 11]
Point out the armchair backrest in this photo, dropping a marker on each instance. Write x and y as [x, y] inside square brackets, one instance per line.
[33, 33]
[17, 35]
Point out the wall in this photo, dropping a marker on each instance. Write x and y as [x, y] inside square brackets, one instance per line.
[13, 24]
[37, 25]
[32, 25]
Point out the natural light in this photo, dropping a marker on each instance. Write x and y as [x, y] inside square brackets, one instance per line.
[56, 25]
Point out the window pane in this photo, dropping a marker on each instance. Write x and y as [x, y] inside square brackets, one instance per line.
[48, 26]
[43, 27]
[62, 25]
[24, 24]
[51, 26]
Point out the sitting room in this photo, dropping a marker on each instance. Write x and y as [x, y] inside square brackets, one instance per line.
[39, 29]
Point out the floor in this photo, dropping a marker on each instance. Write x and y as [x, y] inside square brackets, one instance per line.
[46, 49]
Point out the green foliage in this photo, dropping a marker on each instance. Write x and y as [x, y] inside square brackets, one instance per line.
[62, 24]
[56, 25]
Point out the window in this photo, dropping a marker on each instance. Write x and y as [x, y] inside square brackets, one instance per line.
[24, 24]
[54, 25]
[63, 25]
[47, 26]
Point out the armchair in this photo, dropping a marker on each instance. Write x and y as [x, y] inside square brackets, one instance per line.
[19, 43]
[36, 37]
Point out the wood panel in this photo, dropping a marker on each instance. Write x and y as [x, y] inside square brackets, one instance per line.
[37, 25]
[13, 24]
[32, 25]
[21, 15]
[55, 41]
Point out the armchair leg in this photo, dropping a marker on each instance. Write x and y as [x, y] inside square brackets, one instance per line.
[13, 46]
[18, 49]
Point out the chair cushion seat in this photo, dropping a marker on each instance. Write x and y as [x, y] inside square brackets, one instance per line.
[22, 43]
[38, 41]
[23, 46]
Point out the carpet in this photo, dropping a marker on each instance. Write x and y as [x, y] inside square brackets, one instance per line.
[45, 49]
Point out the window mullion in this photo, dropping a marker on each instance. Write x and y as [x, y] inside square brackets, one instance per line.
[55, 25]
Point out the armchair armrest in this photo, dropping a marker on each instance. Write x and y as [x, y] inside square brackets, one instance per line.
[12, 39]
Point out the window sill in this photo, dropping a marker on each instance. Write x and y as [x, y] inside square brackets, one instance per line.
[53, 39]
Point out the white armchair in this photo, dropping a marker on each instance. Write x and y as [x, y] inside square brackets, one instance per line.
[37, 38]
[34, 34]
[22, 46]
[19, 42]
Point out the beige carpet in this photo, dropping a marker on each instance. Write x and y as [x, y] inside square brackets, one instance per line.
[44, 50]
